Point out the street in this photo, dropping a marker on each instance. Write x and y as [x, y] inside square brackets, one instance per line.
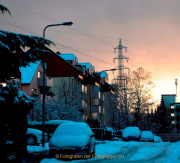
[133, 152]
[146, 153]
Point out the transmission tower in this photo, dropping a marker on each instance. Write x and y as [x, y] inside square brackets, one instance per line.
[121, 77]
[122, 80]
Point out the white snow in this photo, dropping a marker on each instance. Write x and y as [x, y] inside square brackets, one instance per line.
[67, 56]
[131, 131]
[143, 150]
[39, 148]
[4, 46]
[28, 72]
[66, 141]
[147, 136]
[71, 134]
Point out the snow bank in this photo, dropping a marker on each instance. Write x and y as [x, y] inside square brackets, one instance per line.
[145, 151]
[174, 154]
[39, 148]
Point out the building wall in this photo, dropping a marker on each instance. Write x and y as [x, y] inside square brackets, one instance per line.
[168, 99]
[26, 88]
[175, 116]
[29, 87]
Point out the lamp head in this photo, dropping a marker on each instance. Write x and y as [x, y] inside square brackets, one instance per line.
[67, 23]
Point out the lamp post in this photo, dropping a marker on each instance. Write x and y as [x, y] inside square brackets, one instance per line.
[100, 102]
[44, 67]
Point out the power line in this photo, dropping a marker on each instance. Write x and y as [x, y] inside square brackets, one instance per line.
[79, 33]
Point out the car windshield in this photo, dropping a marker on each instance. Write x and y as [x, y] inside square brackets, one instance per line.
[73, 129]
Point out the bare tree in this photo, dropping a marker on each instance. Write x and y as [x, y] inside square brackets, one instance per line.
[141, 100]
[112, 111]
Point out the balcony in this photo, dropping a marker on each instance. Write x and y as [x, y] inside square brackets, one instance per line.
[48, 82]
[81, 88]
[96, 95]
[95, 109]
[96, 101]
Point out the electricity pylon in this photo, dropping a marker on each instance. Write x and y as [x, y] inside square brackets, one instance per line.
[122, 80]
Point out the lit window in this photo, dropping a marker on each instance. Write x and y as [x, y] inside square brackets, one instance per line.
[39, 74]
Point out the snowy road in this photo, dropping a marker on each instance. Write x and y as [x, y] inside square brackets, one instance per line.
[132, 152]
[146, 153]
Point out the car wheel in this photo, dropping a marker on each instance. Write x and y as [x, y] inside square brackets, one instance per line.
[51, 154]
[31, 140]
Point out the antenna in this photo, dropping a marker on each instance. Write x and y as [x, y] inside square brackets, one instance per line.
[176, 83]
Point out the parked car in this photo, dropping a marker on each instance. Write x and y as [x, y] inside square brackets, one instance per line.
[119, 133]
[34, 136]
[147, 136]
[108, 133]
[131, 133]
[50, 126]
[157, 139]
[74, 138]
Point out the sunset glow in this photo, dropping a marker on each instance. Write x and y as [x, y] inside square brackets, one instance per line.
[149, 30]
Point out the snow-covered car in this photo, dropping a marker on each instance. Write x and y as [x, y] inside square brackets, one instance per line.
[147, 136]
[75, 138]
[109, 133]
[119, 133]
[131, 133]
[157, 139]
[34, 136]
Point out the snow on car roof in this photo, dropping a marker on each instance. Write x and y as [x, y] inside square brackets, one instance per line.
[146, 134]
[131, 131]
[73, 128]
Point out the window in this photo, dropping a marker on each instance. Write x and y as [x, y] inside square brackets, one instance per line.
[174, 123]
[33, 91]
[39, 74]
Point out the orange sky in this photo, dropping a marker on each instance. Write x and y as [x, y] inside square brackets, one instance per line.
[150, 30]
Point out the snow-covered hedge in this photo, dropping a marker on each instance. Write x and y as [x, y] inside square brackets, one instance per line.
[11, 95]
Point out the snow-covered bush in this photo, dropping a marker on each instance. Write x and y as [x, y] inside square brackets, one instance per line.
[54, 110]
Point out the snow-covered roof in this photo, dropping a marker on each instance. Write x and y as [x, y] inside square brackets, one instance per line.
[104, 74]
[88, 66]
[67, 56]
[28, 72]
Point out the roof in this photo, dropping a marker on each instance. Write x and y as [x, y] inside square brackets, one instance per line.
[59, 67]
[28, 72]
[88, 66]
[67, 56]
[168, 94]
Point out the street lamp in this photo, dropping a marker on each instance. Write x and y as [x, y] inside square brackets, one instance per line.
[114, 69]
[43, 106]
